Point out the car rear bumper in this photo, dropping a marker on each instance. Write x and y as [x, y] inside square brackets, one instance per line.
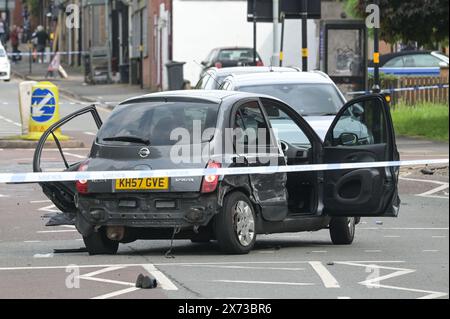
[148, 210]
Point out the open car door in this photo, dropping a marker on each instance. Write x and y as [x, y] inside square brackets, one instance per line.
[361, 132]
[62, 193]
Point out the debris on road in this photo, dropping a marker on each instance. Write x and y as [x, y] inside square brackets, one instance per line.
[146, 282]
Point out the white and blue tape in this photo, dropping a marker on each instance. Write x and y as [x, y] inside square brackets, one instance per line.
[108, 175]
[412, 88]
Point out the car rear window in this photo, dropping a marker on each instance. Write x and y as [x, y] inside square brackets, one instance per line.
[235, 55]
[155, 121]
[306, 99]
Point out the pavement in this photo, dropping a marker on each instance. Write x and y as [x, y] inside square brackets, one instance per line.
[394, 258]
[74, 86]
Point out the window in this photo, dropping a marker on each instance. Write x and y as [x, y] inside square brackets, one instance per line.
[250, 127]
[396, 62]
[284, 127]
[425, 60]
[155, 121]
[363, 123]
[236, 55]
[306, 99]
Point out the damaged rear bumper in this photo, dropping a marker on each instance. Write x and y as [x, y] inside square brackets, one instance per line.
[146, 210]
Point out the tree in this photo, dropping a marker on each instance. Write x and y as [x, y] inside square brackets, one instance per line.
[423, 21]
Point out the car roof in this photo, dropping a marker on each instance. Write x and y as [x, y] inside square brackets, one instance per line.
[281, 77]
[233, 48]
[251, 69]
[214, 96]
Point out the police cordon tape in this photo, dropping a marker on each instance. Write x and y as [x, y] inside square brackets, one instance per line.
[110, 175]
[46, 53]
[412, 88]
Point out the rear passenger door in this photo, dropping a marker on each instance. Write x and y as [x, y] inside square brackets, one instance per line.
[361, 132]
[254, 145]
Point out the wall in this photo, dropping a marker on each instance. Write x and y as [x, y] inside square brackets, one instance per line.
[199, 26]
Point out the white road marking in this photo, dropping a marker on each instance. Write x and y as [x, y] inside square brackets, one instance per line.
[372, 251]
[264, 282]
[40, 201]
[245, 267]
[375, 282]
[50, 255]
[10, 121]
[56, 231]
[438, 236]
[430, 193]
[162, 280]
[117, 293]
[319, 251]
[181, 264]
[430, 251]
[4, 196]
[90, 133]
[75, 155]
[391, 236]
[344, 297]
[101, 271]
[31, 241]
[327, 278]
[49, 209]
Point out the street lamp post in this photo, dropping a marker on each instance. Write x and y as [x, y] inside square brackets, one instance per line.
[304, 16]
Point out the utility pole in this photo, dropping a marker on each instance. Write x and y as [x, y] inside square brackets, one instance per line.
[304, 17]
[254, 32]
[276, 9]
[376, 88]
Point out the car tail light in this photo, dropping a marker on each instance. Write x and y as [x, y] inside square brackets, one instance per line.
[218, 65]
[209, 183]
[259, 63]
[82, 184]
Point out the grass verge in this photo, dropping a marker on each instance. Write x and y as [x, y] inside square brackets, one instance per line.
[428, 121]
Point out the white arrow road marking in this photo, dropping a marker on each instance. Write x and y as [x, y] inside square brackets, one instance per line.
[49, 209]
[3, 196]
[327, 278]
[375, 282]
[9, 121]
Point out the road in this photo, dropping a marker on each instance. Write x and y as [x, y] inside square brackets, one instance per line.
[406, 257]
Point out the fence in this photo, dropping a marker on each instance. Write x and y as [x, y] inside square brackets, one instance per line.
[435, 95]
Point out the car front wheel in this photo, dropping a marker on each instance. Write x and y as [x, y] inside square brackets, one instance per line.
[342, 230]
[235, 225]
[98, 244]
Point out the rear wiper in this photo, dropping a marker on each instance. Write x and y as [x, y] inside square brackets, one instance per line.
[131, 139]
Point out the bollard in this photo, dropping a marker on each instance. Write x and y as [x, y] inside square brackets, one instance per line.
[25, 89]
[44, 111]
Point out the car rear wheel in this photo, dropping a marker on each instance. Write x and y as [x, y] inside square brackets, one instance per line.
[235, 225]
[98, 244]
[342, 230]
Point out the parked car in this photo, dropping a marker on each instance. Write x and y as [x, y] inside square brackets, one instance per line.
[312, 94]
[5, 65]
[412, 63]
[231, 56]
[231, 209]
[212, 78]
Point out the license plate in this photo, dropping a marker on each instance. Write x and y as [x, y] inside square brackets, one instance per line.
[157, 183]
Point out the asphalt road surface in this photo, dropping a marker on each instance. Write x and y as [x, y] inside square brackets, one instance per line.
[406, 257]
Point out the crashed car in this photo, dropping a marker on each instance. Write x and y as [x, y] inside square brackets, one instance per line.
[143, 133]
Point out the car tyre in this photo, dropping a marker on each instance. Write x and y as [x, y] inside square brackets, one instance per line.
[342, 230]
[98, 244]
[234, 226]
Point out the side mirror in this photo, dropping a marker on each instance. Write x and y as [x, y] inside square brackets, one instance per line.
[348, 139]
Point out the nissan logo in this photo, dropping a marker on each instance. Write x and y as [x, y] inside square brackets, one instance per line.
[144, 152]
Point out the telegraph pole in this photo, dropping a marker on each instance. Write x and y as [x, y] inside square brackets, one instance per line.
[376, 59]
[304, 17]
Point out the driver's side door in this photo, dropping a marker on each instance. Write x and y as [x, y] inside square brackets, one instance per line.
[361, 132]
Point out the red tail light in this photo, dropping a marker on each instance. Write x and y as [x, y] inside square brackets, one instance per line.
[218, 65]
[82, 185]
[259, 63]
[209, 183]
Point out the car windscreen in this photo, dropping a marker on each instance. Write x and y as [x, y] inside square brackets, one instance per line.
[160, 123]
[235, 55]
[2, 53]
[306, 99]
